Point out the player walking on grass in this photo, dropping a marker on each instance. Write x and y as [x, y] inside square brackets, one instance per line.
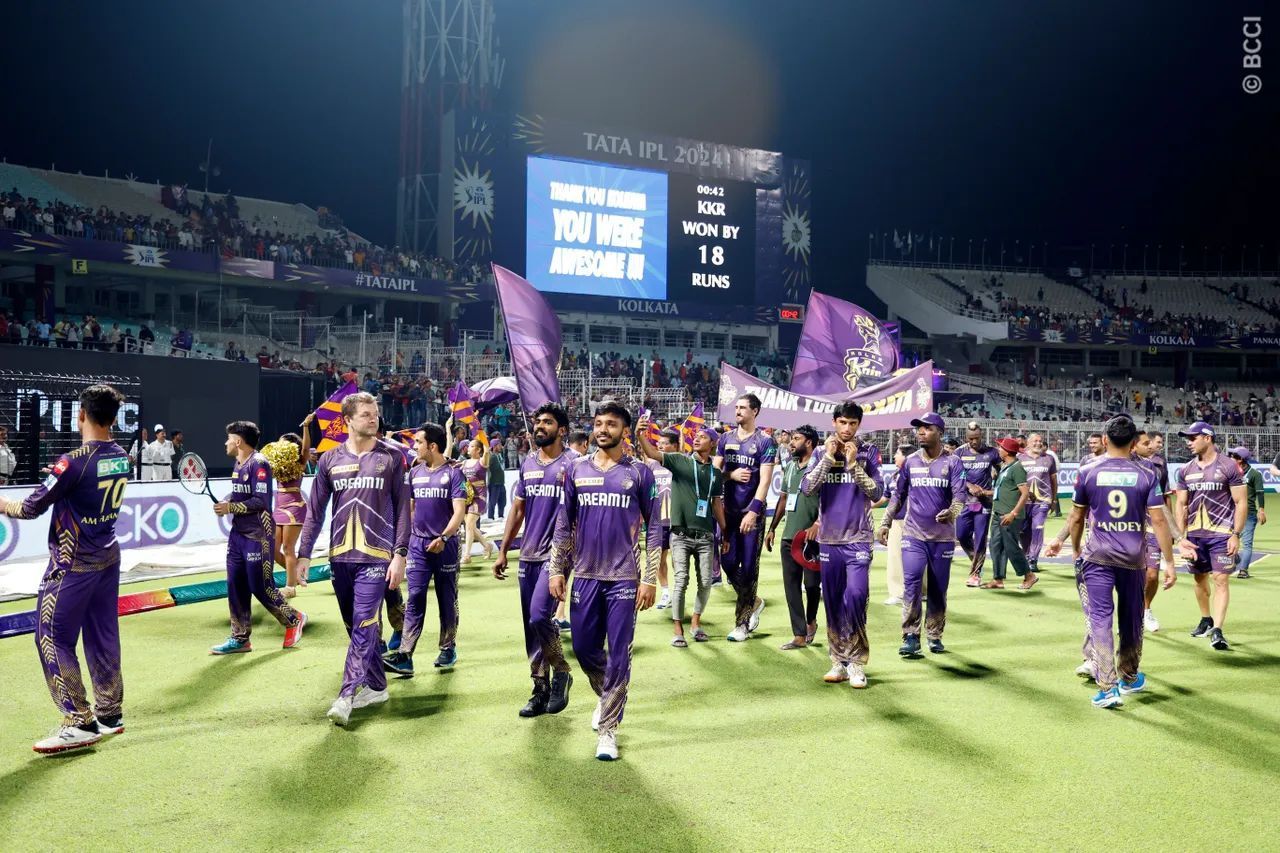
[439, 503]
[1212, 508]
[536, 503]
[981, 464]
[746, 455]
[1042, 478]
[368, 542]
[1144, 450]
[846, 477]
[81, 585]
[1120, 496]
[608, 498]
[251, 546]
[932, 484]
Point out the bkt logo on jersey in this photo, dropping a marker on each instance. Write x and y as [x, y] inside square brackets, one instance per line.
[151, 521]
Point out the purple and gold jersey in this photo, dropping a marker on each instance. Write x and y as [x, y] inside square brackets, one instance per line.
[598, 525]
[86, 489]
[979, 468]
[541, 486]
[1117, 493]
[1042, 476]
[434, 491]
[477, 474]
[250, 498]
[1161, 465]
[662, 478]
[891, 489]
[928, 487]
[752, 452]
[1211, 511]
[844, 509]
[370, 495]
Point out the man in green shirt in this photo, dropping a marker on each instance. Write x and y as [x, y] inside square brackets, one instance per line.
[1008, 512]
[800, 512]
[1257, 496]
[497, 480]
[696, 490]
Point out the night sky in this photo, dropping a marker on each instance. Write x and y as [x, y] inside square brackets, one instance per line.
[1053, 121]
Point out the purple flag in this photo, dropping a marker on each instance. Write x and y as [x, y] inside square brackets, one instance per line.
[464, 411]
[492, 393]
[842, 348]
[891, 404]
[533, 336]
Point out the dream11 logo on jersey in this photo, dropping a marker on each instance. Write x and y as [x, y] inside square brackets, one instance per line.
[151, 521]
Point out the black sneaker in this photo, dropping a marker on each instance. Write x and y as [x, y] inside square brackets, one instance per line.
[399, 663]
[537, 704]
[936, 647]
[111, 725]
[447, 658]
[560, 684]
[1218, 641]
[910, 646]
[1205, 626]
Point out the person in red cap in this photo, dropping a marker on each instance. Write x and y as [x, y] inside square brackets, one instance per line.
[1008, 513]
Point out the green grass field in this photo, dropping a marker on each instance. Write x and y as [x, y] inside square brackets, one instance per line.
[991, 746]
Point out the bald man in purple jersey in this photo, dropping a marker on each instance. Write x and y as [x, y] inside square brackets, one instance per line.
[535, 504]
[609, 497]
[1120, 496]
[81, 585]
[846, 476]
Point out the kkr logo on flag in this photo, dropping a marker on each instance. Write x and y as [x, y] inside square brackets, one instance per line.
[866, 361]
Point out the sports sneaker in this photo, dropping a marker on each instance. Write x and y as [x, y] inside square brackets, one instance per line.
[910, 646]
[857, 677]
[560, 684]
[231, 646]
[394, 643]
[893, 601]
[340, 711]
[595, 718]
[365, 697]
[1138, 684]
[974, 580]
[738, 634]
[66, 738]
[1085, 670]
[1218, 641]
[753, 621]
[607, 747]
[399, 663]
[1150, 622]
[111, 725]
[293, 636]
[1107, 698]
[1205, 626]
[563, 625]
[447, 657]
[836, 674]
[936, 647]
[537, 704]
[664, 600]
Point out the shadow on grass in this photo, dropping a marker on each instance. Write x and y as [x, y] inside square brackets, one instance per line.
[341, 756]
[26, 780]
[219, 675]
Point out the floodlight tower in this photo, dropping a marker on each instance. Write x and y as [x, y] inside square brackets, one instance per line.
[450, 61]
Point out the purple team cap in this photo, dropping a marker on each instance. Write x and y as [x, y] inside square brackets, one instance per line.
[711, 434]
[1197, 428]
[932, 419]
[1242, 453]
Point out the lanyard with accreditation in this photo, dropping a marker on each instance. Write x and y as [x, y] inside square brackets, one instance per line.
[703, 504]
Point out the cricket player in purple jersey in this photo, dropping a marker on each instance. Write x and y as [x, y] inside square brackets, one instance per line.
[439, 499]
[81, 585]
[368, 542]
[535, 504]
[608, 498]
[251, 544]
[746, 455]
[1144, 449]
[846, 476]
[1042, 478]
[1213, 506]
[931, 482]
[1120, 495]
[981, 464]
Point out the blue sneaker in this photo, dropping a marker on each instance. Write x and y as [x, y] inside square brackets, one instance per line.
[231, 646]
[382, 648]
[563, 625]
[447, 657]
[1136, 686]
[399, 663]
[1107, 698]
[394, 643]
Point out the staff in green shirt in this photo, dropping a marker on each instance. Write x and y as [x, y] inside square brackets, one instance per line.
[800, 512]
[1008, 511]
[1257, 512]
[696, 490]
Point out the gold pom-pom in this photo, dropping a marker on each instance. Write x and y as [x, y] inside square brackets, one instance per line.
[285, 463]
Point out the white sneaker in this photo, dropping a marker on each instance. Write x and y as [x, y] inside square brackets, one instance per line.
[340, 711]
[893, 601]
[365, 697]
[753, 621]
[66, 738]
[738, 634]
[595, 718]
[836, 674]
[857, 678]
[1085, 670]
[607, 747]
[1150, 622]
[664, 601]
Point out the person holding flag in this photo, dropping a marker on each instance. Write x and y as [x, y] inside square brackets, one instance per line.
[694, 424]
